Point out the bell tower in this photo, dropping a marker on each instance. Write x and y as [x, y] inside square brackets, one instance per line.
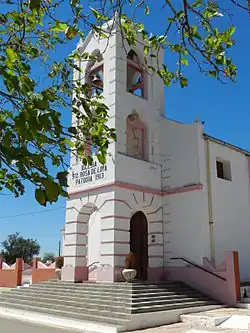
[104, 198]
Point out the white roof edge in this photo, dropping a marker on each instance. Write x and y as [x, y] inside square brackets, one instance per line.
[226, 144]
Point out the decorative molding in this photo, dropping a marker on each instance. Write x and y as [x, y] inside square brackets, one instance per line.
[155, 212]
[115, 200]
[76, 245]
[75, 233]
[78, 222]
[116, 217]
[115, 229]
[138, 188]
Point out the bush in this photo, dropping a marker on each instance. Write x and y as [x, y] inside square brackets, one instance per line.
[130, 261]
[59, 262]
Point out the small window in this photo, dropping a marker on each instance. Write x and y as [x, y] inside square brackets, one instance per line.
[223, 169]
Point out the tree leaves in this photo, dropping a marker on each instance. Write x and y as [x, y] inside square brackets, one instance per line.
[11, 54]
[40, 196]
[59, 27]
[71, 32]
[15, 246]
[183, 82]
[35, 4]
[37, 83]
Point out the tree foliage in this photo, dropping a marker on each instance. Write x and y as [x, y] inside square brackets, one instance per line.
[33, 139]
[48, 256]
[15, 246]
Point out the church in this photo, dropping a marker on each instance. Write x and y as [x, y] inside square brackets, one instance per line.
[167, 190]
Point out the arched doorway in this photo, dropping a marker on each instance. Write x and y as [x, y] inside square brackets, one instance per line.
[139, 243]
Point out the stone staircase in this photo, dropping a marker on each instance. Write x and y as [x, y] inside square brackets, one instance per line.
[106, 303]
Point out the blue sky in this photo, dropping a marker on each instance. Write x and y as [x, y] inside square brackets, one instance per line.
[224, 108]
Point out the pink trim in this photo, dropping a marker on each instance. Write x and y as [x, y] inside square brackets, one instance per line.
[115, 200]
[115, 242]
[184, 189]
[76, 233]
[155, 244]
[113, 255]
[155, 233]
[74, 222]
[80, 245]
[116, 217]
[137, 188]
[114, 229]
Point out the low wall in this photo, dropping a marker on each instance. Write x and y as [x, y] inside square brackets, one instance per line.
[42, 274]
[225, 291]
[11, 277]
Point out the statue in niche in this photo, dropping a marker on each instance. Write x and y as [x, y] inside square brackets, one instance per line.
[135, 137]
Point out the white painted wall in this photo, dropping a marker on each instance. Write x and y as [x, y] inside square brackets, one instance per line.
[134, 171]
[231, 208]
[179, 148]
[94, 238]
[188, 230]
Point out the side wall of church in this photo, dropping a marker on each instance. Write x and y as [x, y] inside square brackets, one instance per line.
[186, 227]
[231, 204]
[185, 208]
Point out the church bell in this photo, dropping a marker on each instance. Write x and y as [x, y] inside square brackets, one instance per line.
[97, 82]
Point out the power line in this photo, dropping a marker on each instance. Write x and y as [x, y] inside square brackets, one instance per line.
[31, 213]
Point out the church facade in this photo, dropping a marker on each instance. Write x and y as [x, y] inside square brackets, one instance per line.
[167, 190]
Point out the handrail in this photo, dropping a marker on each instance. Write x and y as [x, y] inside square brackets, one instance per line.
[93, 263]
[200, 267]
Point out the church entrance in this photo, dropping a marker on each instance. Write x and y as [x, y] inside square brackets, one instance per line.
[139, 243]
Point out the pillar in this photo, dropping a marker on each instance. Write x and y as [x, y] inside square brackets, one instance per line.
[19, 270]
[35, 263]
[74, 249]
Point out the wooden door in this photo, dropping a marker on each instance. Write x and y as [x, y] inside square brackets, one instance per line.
[139, 243]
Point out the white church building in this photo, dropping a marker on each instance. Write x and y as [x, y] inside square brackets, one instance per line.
[167, 190]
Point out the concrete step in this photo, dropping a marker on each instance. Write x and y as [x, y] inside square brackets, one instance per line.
[110, 296]
[90, 305]
[110, 291]
[105, 299]
[109, 319]
[118, 285]
[93, 303]
[123, 286]
[117, 311]
[173, 306]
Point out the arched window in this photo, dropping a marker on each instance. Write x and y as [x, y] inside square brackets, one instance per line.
[136, 137]
[94, 73]
[135, 75]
